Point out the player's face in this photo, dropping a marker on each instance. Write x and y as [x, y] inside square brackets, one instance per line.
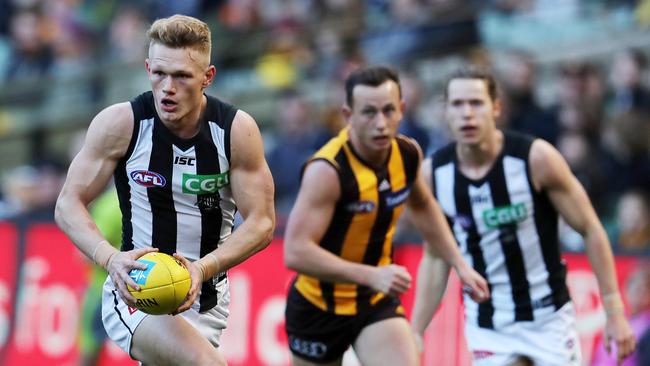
[178, 77]
[374, 118]
[470, 111]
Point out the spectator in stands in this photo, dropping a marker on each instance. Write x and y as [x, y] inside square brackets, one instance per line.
[30, 191]
[626, 138]
[411, 125]
[637, 292]
[579, 99]
[126, 36]
[629, 91]
[632, 230]
[298, 138]
[579, 154]
[523, 113]
[30, 55]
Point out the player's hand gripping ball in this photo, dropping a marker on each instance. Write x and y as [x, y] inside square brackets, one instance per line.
[163, 285]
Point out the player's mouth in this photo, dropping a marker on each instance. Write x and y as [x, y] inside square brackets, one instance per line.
[382, 140]
[168, 105]
[468, 130]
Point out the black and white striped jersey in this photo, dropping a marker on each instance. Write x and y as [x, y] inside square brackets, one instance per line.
[175, 193]
[507, 231]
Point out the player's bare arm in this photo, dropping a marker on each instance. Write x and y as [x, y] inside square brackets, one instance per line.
[430, 221]
[310, 217]
[106, 142]
[252, 187]
[550, 172]
[433, 274]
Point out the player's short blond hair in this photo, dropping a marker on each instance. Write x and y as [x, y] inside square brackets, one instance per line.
[181, 31]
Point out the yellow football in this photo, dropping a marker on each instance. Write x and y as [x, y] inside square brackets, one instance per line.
[163, 285]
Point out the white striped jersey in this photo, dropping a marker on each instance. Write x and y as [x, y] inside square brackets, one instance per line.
[507, 231]
[175, 193]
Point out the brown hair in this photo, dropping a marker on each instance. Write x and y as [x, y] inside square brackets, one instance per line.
[371, 76]
[474, 73]
[181, 31]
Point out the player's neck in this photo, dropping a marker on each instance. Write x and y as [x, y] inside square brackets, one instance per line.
[476, 159]
[188, 126]
[374, 158]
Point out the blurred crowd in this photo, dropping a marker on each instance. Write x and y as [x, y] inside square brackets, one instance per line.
[595, 110]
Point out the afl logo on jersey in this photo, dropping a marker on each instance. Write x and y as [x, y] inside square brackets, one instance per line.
[148, 179]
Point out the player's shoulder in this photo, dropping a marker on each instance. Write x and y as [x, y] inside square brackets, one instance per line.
[409, 145]
[542, 152]
[110, 131]
[117, 118]
[321, 175]
[518, 144]
[443, 155]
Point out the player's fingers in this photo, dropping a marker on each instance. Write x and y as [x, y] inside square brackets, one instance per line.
[137, 253]
[181, 259]
[626, 347]
[126, 295]
[139, 265]
[131, 283]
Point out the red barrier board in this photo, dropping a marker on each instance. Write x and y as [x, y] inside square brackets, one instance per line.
[55, 276]
[8, 272]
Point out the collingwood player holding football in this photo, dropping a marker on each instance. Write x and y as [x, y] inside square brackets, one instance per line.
[183, 163]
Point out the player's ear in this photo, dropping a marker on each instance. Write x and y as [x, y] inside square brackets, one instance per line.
[346, 111]
[209, 76]
[497, 108]
[146, 65]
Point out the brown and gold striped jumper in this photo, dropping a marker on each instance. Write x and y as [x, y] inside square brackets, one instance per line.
[364, 220]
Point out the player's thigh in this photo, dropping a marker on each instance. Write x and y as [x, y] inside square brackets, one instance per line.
[387, 342]
[171, 340]
[297, 361]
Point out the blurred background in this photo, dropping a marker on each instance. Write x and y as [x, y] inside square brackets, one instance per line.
[574, 72]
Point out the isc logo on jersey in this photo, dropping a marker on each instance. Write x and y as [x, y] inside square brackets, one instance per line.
[204, 183]
[148, 178]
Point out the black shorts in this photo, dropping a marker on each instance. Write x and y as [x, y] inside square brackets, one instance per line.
[320, 336]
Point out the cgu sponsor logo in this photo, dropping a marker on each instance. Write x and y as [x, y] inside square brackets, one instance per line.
[204, 184]
[505, 215]
[148, 178]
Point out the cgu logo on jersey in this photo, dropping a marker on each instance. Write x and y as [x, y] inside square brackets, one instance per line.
[204, 184]
[505, 215]
[148, 178]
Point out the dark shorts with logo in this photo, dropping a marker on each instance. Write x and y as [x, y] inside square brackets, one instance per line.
[320, 336]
